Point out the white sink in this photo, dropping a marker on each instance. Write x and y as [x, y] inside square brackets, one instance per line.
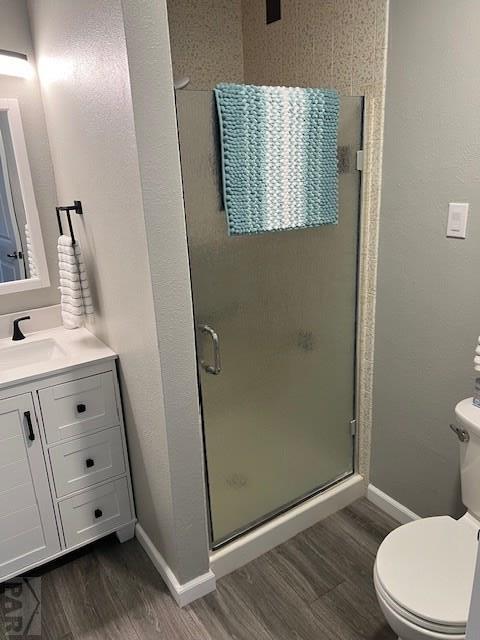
[24, 354]
[48, 351]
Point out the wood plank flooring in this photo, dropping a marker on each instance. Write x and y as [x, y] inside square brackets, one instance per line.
[317, 586]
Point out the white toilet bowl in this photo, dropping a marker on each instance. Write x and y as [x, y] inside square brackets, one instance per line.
[424, 575]
[424, 570]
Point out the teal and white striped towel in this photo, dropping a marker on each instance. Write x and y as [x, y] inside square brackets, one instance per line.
[279, 157]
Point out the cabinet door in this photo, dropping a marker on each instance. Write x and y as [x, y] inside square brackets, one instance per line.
[28, 532]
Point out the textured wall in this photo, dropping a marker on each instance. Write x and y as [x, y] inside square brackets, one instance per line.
[206, 41]
[15, 36]
[148, 48]
[115, 169]
[332, 43]
[82, 58]
[428, 306]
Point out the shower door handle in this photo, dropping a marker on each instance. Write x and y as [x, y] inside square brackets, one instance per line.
[216, 367]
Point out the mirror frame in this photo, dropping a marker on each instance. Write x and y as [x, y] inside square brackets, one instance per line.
[12, 109]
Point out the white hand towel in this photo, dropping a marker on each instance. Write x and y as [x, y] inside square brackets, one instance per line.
[75, 290]
[69, 321]
[71, 267]
[66, 241]
[72, 260]
[76, 301]
[32, 267]
[73, 302]
[73, 311]
[72, 276]
[70, 257]
[68, 251]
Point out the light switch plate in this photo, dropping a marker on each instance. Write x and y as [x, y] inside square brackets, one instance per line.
[457, 219]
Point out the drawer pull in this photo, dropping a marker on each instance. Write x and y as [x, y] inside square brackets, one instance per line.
[28, 418]
[81, 408]
[89, 462]
[98, 513]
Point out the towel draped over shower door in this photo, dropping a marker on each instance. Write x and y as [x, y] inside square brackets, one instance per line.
[279, 157]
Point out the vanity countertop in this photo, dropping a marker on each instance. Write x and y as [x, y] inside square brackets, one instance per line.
[51, 351]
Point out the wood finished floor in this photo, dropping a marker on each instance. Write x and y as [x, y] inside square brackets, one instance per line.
[317, 586]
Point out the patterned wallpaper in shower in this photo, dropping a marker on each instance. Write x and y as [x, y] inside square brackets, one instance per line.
[206, 41]
[334, 43]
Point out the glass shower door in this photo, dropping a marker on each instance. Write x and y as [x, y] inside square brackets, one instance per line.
[275, 316]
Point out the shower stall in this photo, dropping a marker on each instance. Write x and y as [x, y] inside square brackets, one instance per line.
[275, 318]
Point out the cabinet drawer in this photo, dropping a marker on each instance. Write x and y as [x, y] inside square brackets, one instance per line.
[79, 407]
[87, 460]
[95, 512]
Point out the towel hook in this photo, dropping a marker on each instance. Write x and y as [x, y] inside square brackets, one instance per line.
[75, 208]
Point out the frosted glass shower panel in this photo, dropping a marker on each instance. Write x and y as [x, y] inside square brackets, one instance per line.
[277, 313]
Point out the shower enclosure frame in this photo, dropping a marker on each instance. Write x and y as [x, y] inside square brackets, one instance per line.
[222, 543]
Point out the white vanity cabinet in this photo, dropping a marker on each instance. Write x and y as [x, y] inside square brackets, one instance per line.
[28, 531]
[64, 474]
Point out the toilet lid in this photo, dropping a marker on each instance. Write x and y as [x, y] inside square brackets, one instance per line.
[427, 567]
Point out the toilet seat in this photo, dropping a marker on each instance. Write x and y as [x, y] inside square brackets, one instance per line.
[424, 572]
[422, 624]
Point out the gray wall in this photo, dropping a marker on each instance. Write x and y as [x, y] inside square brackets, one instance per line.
[15, 36]
[428, 305]
[81, 49]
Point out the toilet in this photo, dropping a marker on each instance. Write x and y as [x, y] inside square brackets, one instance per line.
[424, 570]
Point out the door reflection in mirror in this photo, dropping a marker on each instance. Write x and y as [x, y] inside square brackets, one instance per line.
[13, 241]
[23, 264]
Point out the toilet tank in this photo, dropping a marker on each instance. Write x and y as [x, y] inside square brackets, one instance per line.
[468, 417]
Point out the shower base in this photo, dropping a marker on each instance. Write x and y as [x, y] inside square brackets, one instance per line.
[249, 546]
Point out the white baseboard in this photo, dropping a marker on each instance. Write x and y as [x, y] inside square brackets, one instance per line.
[252, 545]
[394, 509]
[182, 593]
[269, 535]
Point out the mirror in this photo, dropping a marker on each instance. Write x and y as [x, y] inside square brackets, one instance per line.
[22, 255]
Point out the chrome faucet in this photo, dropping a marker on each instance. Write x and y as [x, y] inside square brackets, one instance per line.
[17, 332]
